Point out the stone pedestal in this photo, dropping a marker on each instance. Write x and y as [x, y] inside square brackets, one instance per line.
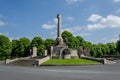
[80, 51]
[34, 52]
[45, 53]
[67, 56]
[51, 51]
[7, 61]
[87, 51]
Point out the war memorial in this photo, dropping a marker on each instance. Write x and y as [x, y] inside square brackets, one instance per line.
[59, 50]
[59, 39]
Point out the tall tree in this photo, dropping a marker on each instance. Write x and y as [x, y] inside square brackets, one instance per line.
[49, 42]
[41, 50]
[112, 48]
[118, 46]
[86, 44]
[99, 50]
[37, 42]
[80, 39]
[26, 44]
[5, 47]
[93, 51]
[20, 48]
[14, 48]
[70, 40]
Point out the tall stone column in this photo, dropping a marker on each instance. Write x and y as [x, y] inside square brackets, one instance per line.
[119, 37]
[59, 26]
[59, 40]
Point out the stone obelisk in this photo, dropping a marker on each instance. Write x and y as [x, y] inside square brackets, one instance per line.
[59, 40]
[59, 25]
[119, 37]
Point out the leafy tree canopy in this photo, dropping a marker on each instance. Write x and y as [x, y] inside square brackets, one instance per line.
[37, 41]
[5, 47]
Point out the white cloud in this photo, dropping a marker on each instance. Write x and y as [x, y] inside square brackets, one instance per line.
[113, 40]
[73, 1]
[2, 23]
[95, 26]
[73, 29]
[94, 17]
[48, 26]
[55, 20]
[70, 18]
[77, 30]
[116, 0]
[111, 21]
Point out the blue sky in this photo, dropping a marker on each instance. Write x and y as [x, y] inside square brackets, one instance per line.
[97, 21]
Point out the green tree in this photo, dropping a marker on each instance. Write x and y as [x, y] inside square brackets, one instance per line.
[5, 47]
[41, 50]
[99, 50]
[25, 42]
[49, 42]
[112, 48]
[20, 48]
[93, 51]
[80, 39]
[70, 40]
[86, 44]
[14, 48]
[37, 41]
[118, 46]
[104, 49]
[96, 50]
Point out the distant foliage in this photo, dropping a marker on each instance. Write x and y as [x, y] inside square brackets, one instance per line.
[41, 49]
[39, 43]
[70, 40]
[5, 47]
[21, 47]
[118, 46]
[49, 42]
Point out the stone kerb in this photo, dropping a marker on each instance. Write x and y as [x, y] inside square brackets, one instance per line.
[40, 61]
[105, 61]
[101, 60]
[7, 61]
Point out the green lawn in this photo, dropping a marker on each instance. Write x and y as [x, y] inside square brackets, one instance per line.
[69, 62]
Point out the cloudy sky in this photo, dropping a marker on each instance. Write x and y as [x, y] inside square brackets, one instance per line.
[97, 21]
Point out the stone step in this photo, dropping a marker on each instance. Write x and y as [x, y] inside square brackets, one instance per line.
[24, 62]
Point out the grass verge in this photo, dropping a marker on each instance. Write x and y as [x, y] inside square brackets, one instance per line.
[69, 62]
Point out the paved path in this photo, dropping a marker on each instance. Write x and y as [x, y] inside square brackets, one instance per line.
[91, 72]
